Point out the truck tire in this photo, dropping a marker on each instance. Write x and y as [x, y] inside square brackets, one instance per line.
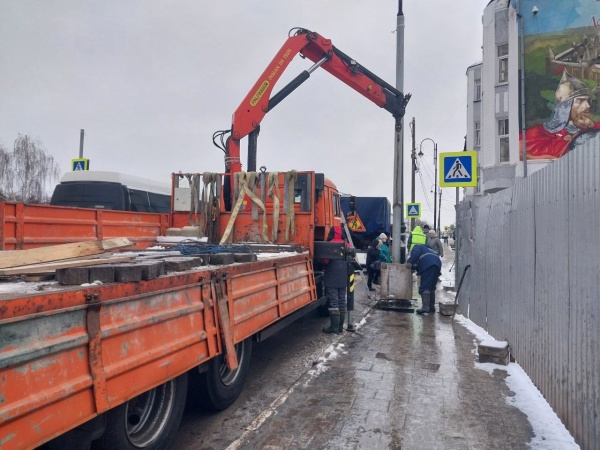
[323, 309]
[220, 387]
[149, 421]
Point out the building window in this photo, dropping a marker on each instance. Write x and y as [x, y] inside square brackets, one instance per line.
[477, 134]
[503, 137]
[477, 90]
[503, 63]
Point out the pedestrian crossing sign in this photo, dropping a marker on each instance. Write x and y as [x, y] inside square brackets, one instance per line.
[458, 169]
[80, 164]
[413, 210]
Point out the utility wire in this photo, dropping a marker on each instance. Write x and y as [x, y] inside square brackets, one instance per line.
[423, 188]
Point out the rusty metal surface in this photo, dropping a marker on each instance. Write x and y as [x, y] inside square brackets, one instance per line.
[95, 353]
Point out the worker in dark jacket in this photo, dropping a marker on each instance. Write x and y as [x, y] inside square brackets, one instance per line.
[336, 281]
[372, 263]
[428, 266]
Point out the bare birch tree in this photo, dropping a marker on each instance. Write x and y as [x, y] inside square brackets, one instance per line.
[5, 173]
[27, 172]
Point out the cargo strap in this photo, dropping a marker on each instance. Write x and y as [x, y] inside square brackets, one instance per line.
[273, 193]
[194, 181]
[290, 223]
[246, 182]
[206, 225]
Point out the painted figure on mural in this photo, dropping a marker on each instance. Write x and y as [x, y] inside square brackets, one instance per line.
[570, 122]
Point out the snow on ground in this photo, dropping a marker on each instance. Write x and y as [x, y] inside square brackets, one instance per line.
[550, 433]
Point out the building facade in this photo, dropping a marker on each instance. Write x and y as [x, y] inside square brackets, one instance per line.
[494, 109]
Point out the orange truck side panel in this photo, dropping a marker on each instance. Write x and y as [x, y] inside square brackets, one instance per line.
[27, 226]
[260, 298]
[149, 332]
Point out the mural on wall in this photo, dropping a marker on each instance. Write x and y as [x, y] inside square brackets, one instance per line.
[562, 75]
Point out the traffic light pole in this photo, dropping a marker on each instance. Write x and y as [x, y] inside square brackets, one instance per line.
[414, 168]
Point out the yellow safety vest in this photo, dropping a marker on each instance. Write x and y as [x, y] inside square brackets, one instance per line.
[417, 238]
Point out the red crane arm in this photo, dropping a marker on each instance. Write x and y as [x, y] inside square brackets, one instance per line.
[248, 116]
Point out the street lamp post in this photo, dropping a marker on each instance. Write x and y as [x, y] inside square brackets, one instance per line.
[435, 176]
[439, 228]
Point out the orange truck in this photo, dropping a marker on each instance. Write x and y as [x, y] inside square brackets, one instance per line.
[112, 363]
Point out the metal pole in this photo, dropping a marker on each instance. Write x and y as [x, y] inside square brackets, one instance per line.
[414, 169]
[522, 58]
[398, 209]
[435, 184]
[439, 214]
[435, 176]
[456, 236]
[81, 144]
[350, 302]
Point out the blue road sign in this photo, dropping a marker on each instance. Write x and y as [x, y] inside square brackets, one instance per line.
[80, 164]
[458, 169]
[413, 210]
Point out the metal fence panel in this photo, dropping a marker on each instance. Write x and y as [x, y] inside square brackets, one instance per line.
[534, 251]
[584, 284]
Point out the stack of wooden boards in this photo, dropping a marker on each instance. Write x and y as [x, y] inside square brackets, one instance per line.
[90, 261]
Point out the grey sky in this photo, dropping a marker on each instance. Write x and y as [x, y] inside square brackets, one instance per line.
[150, 81]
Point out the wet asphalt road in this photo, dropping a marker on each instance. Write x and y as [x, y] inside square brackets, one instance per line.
[402, 381]
[277, 364]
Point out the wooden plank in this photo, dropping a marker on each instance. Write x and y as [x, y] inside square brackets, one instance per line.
[17, 258]
[41, 277]
[230, 354]
[49, 267]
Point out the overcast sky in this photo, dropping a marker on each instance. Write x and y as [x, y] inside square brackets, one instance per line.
[150, 81]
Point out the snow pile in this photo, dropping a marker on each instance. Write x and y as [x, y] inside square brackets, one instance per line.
[331, 352]
[550, 433]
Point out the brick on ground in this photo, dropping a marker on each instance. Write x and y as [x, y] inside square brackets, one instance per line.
[492, 351]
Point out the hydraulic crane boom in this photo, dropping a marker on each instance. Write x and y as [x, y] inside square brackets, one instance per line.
[248, 116]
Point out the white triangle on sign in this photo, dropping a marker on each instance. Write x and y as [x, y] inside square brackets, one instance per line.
[412, 211]
[78, 166]
[457, 171]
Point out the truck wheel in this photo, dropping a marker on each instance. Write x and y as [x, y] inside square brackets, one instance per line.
[324, 308]
[220, 387]
[148, 421]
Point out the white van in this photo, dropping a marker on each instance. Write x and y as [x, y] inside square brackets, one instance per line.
[112, 190]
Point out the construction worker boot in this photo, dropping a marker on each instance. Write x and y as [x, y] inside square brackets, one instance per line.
[425, 302]
[432, 302]
[342, 320]
[334, 326]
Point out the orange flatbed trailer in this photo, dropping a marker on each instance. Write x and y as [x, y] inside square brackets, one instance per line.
[97, 347]
[76, 360]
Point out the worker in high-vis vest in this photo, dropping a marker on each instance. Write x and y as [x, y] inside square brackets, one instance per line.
[416, 237]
